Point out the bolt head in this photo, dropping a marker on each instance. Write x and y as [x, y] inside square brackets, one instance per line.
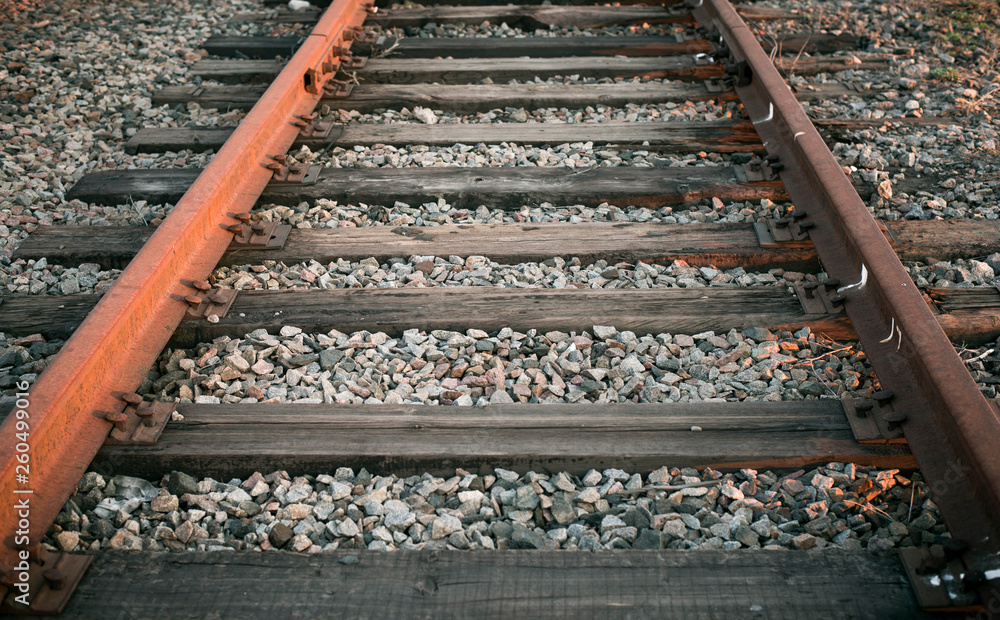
[882, 396]
[894, 417]
[56, 578]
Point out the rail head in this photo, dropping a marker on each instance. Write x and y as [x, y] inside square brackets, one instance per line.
[109, 354]
[946, 419]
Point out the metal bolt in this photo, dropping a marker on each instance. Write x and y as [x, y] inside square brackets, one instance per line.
[55, 578]
[933, 562]
[810, 289]
[882, 396]
[831, 283]
[279, 158]
[273, 166]
[118, 419]
[257, 227]
[235, 228]
[773, 158]
[776, 166]
[201, 285]
[782, 223]
[807, 225]
[307, 117]
[837, 299]
[862, 407]
[193, 300]
[800, 215]
[217, 299]
[132, 399]
[894, 417]
[146, 415]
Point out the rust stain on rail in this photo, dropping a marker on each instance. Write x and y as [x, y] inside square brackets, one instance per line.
[108, 356]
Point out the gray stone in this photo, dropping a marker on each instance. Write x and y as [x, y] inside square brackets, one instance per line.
[993, 260]
[589, 542]
[180, 484]
[101, 529]
[328, 358]
[526, 538]
[759, 334]
[90, 480]
[347, 528]
[501, 529]
[562, 511]
[610, 522]
[804, 541]
[339, 490]
[924, 522]
[648, 539]
[444, 525]
[501, 397]
[592, 478]
[604, 332]
[526, 498]
[128, 487]
[746, 536]
[398, 515]
[675, 528]
[631, 365]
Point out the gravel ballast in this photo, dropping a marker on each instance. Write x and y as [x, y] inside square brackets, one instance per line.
[444, 367]
[842, 506]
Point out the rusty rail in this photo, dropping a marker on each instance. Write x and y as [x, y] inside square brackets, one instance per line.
[110, 353]
[948, 424]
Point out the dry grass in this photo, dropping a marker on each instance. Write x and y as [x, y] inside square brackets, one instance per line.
[974, 24]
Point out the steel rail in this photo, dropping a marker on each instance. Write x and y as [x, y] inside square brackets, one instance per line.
[110, 353]
[948, 423]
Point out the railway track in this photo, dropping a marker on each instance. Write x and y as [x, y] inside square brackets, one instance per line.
[925, 410]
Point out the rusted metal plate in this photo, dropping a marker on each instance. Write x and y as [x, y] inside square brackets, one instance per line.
[871, 421]
[140, 424]
[261, 236]
[51, 579]
[937, 576]
[950, 427]
[109, 354]
[208, 303]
